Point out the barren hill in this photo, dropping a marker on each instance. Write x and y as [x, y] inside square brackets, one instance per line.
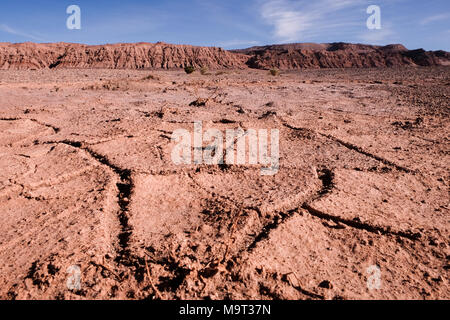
[340, 55]
[167, 56]
[116, 56]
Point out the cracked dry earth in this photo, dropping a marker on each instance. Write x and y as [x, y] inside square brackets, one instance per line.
[87, 179]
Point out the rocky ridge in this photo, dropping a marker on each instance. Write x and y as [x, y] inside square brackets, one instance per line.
[26, 56]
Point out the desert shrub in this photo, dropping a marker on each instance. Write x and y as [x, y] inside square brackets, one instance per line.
[189, 69]
[111, 85]
[274, 72]
[150, 77]
[203, 71]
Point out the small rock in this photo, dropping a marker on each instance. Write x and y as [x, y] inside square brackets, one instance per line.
[326, 284]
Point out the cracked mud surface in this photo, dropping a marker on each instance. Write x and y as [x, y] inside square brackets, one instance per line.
[87, 179]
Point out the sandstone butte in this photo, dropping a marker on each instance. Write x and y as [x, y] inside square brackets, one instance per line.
[29, 56]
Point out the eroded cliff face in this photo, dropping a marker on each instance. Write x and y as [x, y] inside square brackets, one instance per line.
[340, 55]
[116, 56]
[26, 56]
[167, 56]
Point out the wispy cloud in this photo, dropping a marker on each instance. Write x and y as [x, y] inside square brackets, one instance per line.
[383, 36]
[237, 43]
[7, 29]
[434, 18]
[288, 24]
[300, 20]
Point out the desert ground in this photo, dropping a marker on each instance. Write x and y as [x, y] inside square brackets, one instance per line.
[87, 180]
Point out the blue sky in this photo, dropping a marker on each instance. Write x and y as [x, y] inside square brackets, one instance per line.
[229, 23]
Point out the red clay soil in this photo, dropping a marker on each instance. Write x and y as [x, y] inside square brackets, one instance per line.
[87, 180]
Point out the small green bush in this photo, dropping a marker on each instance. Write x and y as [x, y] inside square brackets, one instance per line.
[189, 69]
[274, 72]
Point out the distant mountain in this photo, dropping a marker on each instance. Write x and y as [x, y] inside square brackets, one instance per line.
[340, 55]
[168, 56]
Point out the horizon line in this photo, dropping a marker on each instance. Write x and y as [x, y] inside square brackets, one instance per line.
[209, 46]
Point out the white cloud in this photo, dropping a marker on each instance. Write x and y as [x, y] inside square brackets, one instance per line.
[300, 20]
[236, 43]
[7, 29]
[379, 37]
[434, 18]
[288, 23]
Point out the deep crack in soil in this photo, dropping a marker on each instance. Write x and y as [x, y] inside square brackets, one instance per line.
[125, 187]
[348, 146]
